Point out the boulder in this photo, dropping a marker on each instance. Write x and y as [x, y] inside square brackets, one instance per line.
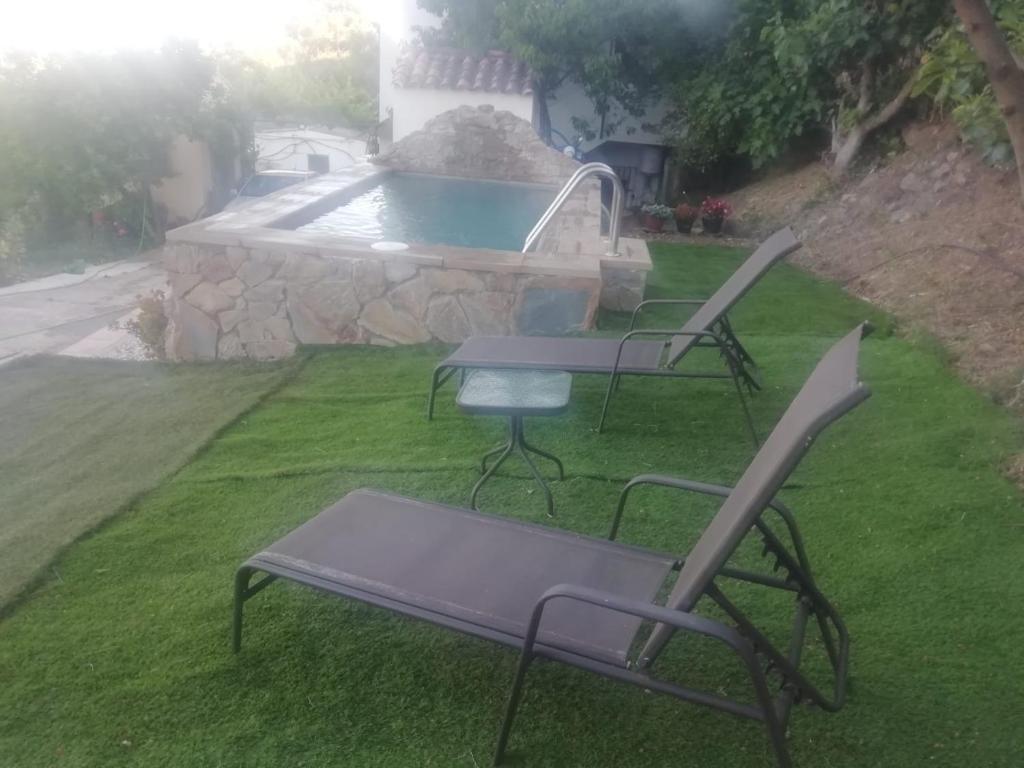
[254, 272]
[480, 143]
[368, 280]
[194, 336]
[399, 271]
[489, 313]
[209, 298]
[447, 321]
[334, 302]
[380, 318]
[413, 296]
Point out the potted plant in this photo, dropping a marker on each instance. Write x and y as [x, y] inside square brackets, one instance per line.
[686, 214]
[653, 216]
[713, 213]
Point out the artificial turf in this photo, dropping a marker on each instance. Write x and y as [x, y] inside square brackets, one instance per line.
[80, 439]
[912, 530]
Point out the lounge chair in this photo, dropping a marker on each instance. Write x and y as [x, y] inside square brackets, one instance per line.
[629, 356]
[582, 601]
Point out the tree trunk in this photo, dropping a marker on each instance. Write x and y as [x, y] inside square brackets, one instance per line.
[541, 116]
[850, 146]
[1006, 76]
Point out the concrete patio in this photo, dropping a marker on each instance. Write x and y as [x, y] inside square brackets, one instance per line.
[71, 314]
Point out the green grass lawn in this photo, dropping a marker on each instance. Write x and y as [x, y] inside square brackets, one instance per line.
[79, 439]
[912, 530]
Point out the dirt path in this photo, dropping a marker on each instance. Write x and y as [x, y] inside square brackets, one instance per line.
[52, 314]
[934, 236]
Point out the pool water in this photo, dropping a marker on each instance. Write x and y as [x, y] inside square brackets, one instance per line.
[434, 210]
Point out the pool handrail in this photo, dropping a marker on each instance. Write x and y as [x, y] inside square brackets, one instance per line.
[615, 216]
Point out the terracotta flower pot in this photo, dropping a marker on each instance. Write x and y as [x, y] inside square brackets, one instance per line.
[652, 223]
[712, 225]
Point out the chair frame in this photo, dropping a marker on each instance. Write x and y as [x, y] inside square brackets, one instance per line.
[740, 366]
[714, 331]
[759, 656]
[831, 390]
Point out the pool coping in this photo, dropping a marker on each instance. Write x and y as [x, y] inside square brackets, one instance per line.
[253, 226]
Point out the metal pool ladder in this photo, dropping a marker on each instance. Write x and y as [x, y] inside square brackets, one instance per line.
[582, 173]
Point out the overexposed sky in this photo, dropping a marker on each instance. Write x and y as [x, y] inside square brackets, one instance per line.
[57, 26]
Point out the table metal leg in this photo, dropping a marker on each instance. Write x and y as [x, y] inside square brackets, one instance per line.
[492, 452]
[517, 442]
[545, 454]
[539, 478]
[506, 451]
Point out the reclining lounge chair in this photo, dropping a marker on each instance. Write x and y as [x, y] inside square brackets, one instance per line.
[580, 600]
[629, 355]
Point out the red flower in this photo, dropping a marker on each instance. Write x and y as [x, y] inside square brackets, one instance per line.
[715, 208]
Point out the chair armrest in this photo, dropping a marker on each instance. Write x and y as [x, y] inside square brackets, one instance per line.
[711, 489]
[678, 620]
[688, 622]
[665, 332]
[668, 482]
[663, 302]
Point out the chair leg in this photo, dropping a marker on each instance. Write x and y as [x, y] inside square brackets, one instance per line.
[745, 406]
[437, 380]
[241, 587]
[513, 704]
[777, 737]
[433, 391]
[607, 401]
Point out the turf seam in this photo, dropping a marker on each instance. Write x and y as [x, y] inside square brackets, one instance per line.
[33, 584]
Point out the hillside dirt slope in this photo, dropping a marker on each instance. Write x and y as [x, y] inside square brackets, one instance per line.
[934, 236]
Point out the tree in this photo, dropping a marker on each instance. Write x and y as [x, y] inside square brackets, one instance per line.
[83, 133]
[1004, 72]
[617, 50]
[791, 67]
[328, 72]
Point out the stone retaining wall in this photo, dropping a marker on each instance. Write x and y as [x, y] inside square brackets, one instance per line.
[244, 285]
[480, 143]
[233, 301]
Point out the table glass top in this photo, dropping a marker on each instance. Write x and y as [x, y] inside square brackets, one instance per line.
[515, 390]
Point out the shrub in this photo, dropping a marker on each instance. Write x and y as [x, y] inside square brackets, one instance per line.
[715, 208]
[657, 211]
[150, 324]
[953, 77]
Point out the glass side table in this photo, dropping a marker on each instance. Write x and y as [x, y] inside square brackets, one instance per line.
[515, 394]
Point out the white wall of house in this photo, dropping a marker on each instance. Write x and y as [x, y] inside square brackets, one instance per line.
[185, 193]
[397, 23]
[636, 151]
[418, 105]
[570, 101]
[289, 149]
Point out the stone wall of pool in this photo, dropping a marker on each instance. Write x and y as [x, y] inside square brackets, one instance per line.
[244, 285]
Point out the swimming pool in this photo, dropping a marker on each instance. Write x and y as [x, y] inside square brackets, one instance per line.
[434, 210]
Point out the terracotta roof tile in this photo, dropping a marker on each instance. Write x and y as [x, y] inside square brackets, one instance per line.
[451, 69]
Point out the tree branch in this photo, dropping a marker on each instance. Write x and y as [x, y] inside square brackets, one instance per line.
[867, 77]
[890, 110]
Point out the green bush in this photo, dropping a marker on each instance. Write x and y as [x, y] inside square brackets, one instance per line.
[954, 79]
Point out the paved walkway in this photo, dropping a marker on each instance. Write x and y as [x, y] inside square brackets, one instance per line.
[71, 314]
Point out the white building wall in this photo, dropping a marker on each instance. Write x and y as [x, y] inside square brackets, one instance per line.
[418, 105]
[397, 22]
[570, 101]
[184, 195]
[289, 149]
